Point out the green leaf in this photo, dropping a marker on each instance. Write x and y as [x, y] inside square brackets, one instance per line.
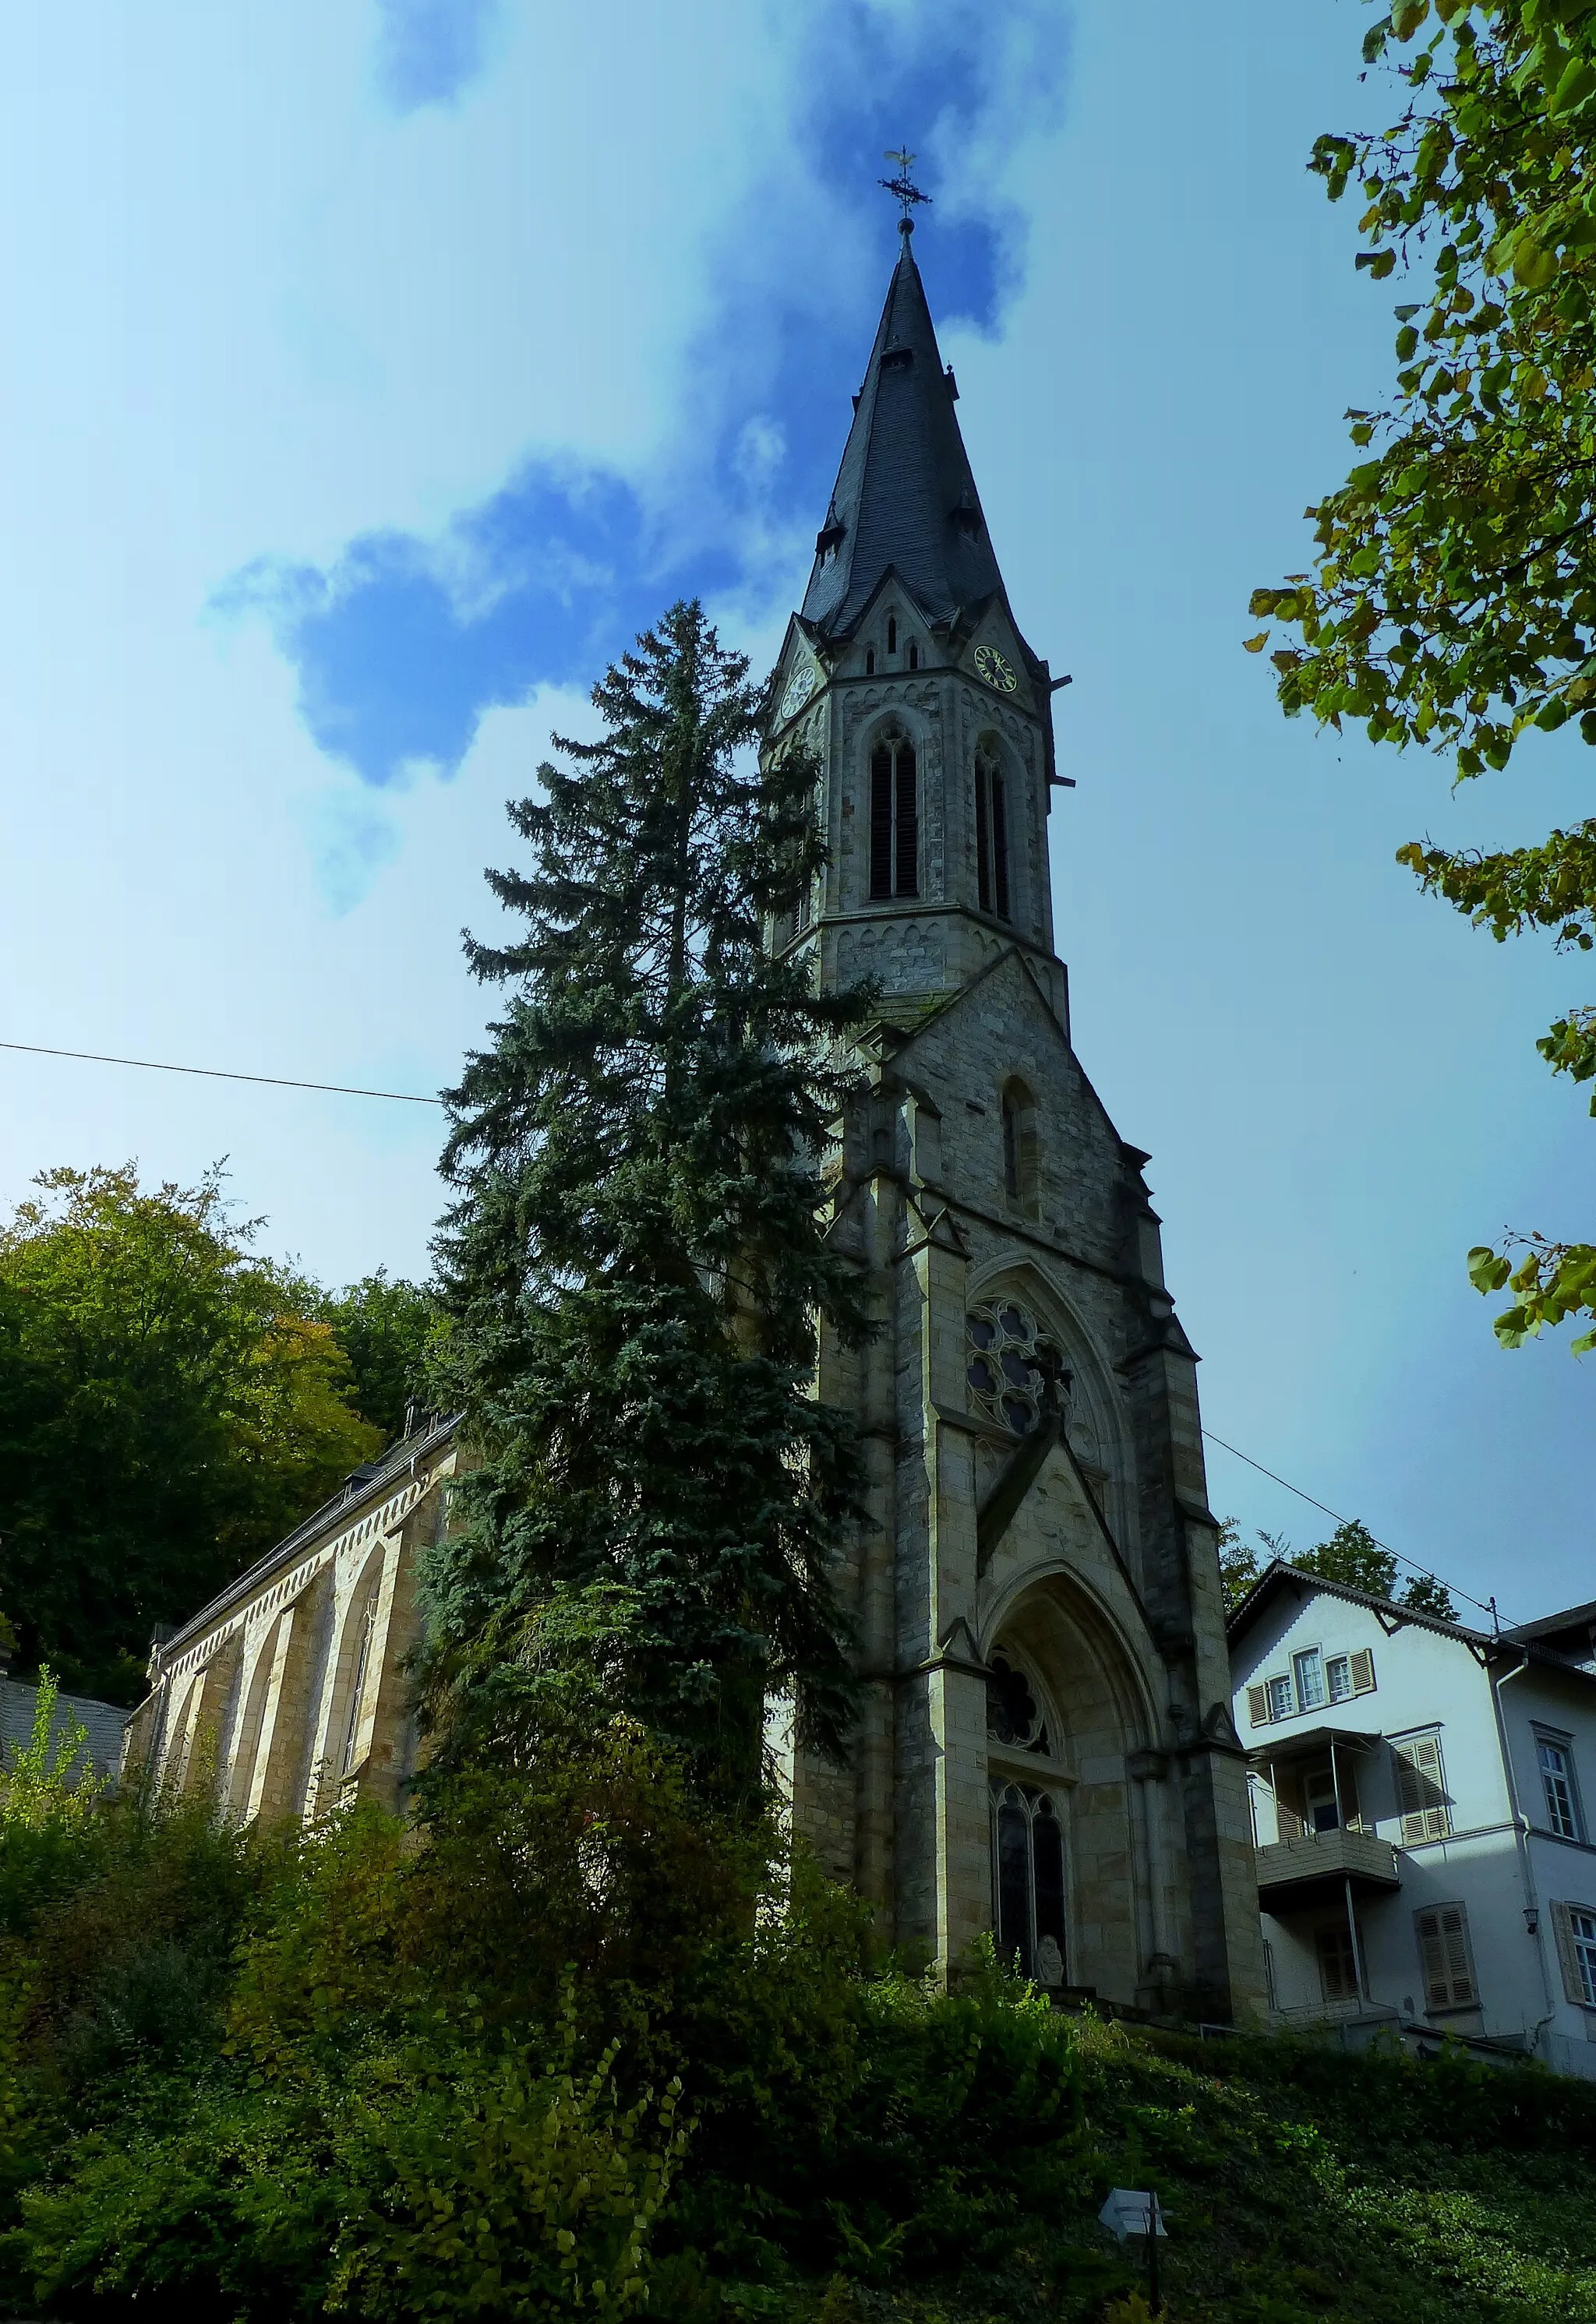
[1577, 83]
[1408, 17]
[1533, 265]
[1257, 644]
[1488, 1269]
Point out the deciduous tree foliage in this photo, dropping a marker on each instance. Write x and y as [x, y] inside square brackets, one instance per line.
[1453, 600]
[1351, 1555]
[170, 1404]
[636, 1261]
[386, 1327]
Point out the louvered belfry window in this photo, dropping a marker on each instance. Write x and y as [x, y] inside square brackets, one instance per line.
[894, 819]
[991, 836]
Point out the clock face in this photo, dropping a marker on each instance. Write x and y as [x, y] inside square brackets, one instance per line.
[995, 669]
[799, 687]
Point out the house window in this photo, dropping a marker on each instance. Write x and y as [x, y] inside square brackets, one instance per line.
[1321, 1802]
[869, 661]
[894, 819]
[1575, 1925]
[1444, 1958]
[1309, 1667]
[1338, 1961]
[991, 836]
[1557, 1766]
[914, 655]
[1028, 1882]
[1314, 1681]
[1421, 1790]
[892, 633]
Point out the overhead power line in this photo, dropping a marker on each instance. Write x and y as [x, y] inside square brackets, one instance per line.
[218, 1074]
[1486, 1606]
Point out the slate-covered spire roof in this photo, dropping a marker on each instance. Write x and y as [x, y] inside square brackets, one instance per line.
[905, 496]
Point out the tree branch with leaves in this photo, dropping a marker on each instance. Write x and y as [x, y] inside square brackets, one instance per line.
[1452, 603]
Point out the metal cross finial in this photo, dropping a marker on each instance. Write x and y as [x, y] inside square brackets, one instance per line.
[903, 186]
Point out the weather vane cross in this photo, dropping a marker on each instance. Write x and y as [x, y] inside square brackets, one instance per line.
[903, 186]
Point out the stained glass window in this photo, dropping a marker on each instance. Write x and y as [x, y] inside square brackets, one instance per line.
[1009, 1361]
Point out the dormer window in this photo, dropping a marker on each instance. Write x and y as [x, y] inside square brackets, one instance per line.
[892, 633]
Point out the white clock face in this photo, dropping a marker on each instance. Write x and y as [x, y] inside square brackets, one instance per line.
[799, 687]
[995, 669]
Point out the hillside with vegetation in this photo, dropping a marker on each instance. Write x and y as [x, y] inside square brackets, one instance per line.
[588, 2054]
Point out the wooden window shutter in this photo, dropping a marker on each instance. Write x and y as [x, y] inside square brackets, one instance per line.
[1363, 1665]
[1421, 1792]
[1448, 1967]
[1566, 1955]
[1574, 1984]
[1258, 1706]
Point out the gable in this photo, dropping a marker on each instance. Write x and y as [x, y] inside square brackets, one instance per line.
[999, 1029]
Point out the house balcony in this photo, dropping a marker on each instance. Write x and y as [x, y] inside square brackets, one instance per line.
[1315, 1868]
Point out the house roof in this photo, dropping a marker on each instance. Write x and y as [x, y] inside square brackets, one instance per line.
[102, 1722]
[1279, 1577]
[1573, 1617]
[362, 1487]
[905, 497]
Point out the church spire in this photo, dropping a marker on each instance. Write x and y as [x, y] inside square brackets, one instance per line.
[905, 496]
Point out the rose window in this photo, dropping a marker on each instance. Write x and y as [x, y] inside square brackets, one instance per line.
[1011, 1362]
[1013, 1716]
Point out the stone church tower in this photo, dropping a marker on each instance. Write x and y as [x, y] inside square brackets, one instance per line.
[1044, 1744]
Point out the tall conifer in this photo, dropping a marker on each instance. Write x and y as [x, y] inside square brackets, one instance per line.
[636, 1259]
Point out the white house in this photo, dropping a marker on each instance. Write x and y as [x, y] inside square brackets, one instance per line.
[1425, 1861]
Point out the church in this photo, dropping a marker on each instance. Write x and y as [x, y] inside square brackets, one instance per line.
[1046, 1748]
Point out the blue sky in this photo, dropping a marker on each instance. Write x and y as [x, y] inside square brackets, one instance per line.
[372, 372]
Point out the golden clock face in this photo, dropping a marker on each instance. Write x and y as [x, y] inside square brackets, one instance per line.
[995, 669]
[799, 687]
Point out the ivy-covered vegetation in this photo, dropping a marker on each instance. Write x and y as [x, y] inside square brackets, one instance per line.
[584, 2054]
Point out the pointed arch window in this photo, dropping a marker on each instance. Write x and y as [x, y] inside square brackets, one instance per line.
[991, 833]
[1028, 1882]
[363, 1658]
[894, 819]
[892, 633]
[914, 655]
[1020, 1147]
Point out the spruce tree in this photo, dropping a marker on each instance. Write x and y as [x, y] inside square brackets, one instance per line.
[636, 1260]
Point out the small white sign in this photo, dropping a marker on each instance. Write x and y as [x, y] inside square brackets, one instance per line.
[1129, 2211]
